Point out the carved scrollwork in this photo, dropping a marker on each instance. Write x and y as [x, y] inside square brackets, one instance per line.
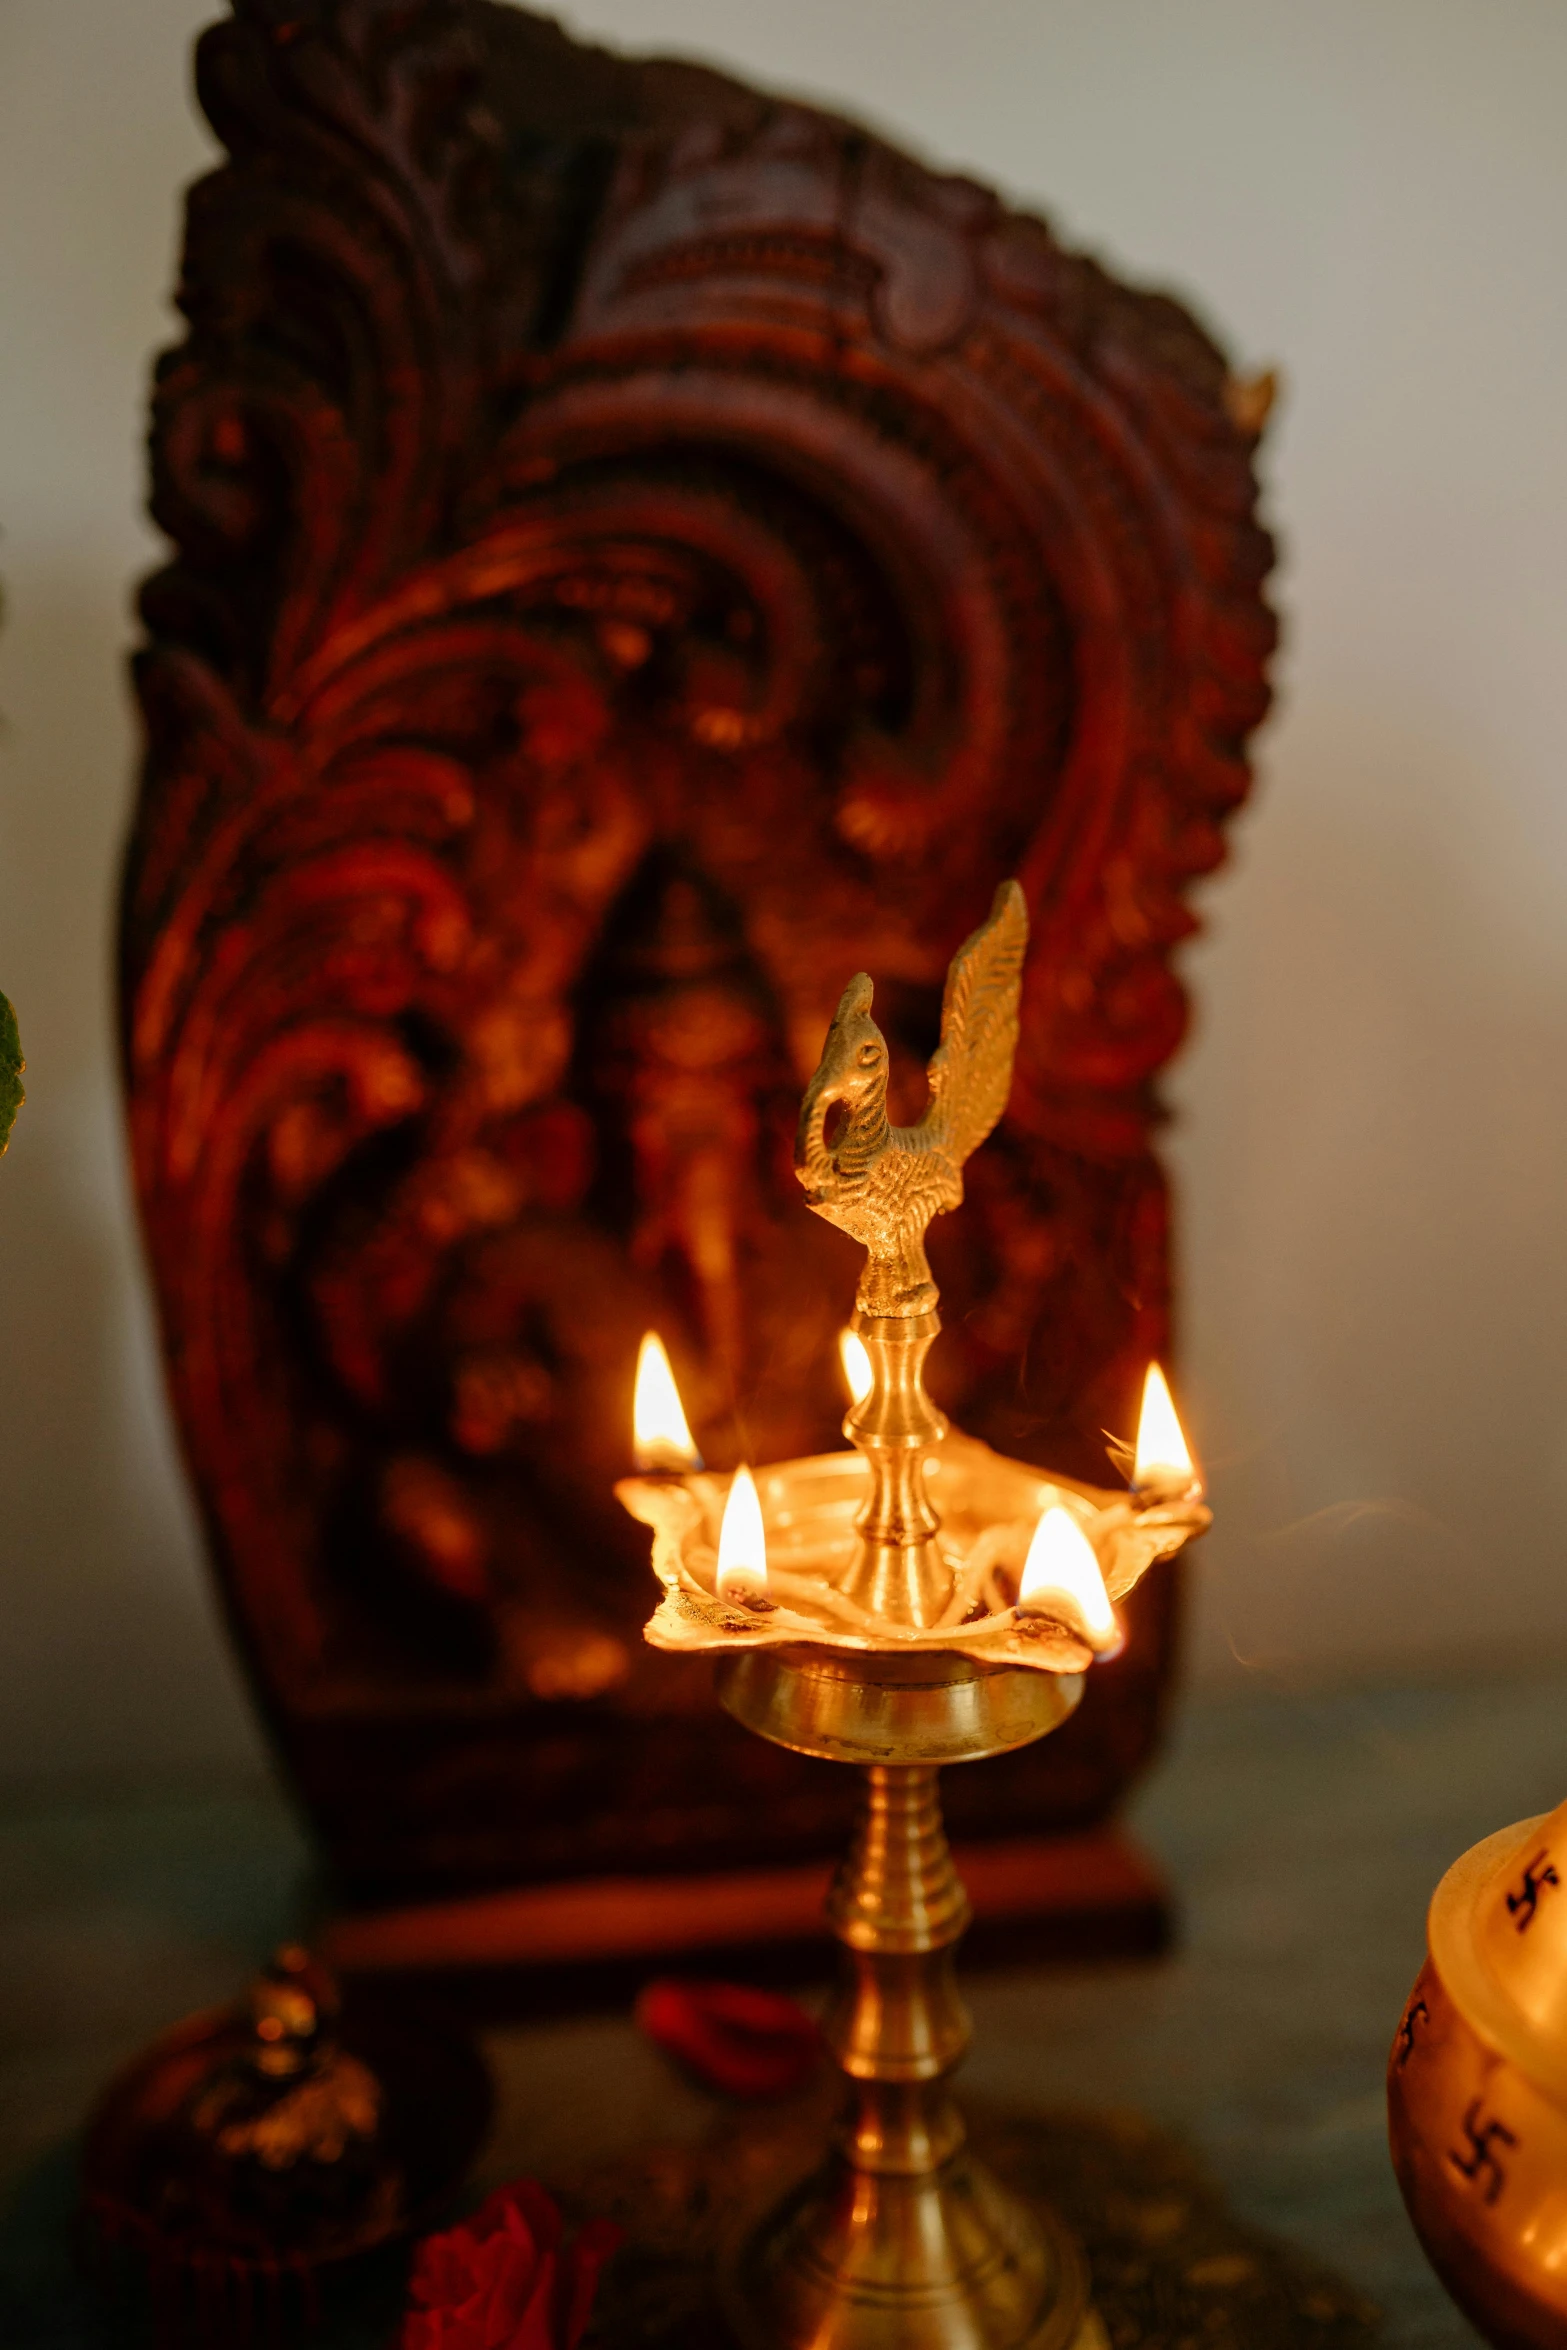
[642, 551]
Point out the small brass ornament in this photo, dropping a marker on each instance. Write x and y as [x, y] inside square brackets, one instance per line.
[253, 2152]
[1477, 2086]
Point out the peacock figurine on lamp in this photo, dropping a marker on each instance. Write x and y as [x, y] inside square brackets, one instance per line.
[882, 1183]
[854, 1621]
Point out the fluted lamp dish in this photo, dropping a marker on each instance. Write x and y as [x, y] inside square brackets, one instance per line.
[917, 1601]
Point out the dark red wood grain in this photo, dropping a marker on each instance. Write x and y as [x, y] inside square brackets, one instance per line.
[642, 551]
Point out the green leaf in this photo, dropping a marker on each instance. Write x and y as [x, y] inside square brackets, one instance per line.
[11, 1067]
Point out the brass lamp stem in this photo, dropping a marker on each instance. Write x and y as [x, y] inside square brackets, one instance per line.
[897, 2024]
[897, 1572]
[902, 2241]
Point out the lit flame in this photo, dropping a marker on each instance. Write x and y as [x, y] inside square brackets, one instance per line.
[857, 1371]
[660, 1438]
[1061, 1577]
[1163, 1463]
[742, 1546]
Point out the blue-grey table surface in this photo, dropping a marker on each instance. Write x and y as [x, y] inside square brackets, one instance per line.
[1304, 1831]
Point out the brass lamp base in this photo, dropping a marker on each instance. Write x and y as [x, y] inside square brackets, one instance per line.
[901, 2237]
[952, 2260]
[1170, 2263]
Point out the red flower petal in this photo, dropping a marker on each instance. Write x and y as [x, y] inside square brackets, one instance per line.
[504, 2279]
[535, 2327]
[595, 2242]
[743, 2042]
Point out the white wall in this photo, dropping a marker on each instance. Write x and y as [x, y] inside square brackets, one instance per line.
[1374, 1149]
[109, 1654]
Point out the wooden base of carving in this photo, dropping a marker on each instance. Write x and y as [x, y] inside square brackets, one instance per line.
[1088, 1896]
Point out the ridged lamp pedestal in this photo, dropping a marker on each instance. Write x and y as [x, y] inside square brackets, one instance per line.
[902, 2237]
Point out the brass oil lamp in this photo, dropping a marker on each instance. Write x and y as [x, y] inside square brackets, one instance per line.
[1477, 2085]
[917, 1601]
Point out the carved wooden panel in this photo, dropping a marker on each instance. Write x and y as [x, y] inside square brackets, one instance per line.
[641, 551]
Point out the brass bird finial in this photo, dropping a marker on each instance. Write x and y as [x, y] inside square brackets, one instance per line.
[883, 1183]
